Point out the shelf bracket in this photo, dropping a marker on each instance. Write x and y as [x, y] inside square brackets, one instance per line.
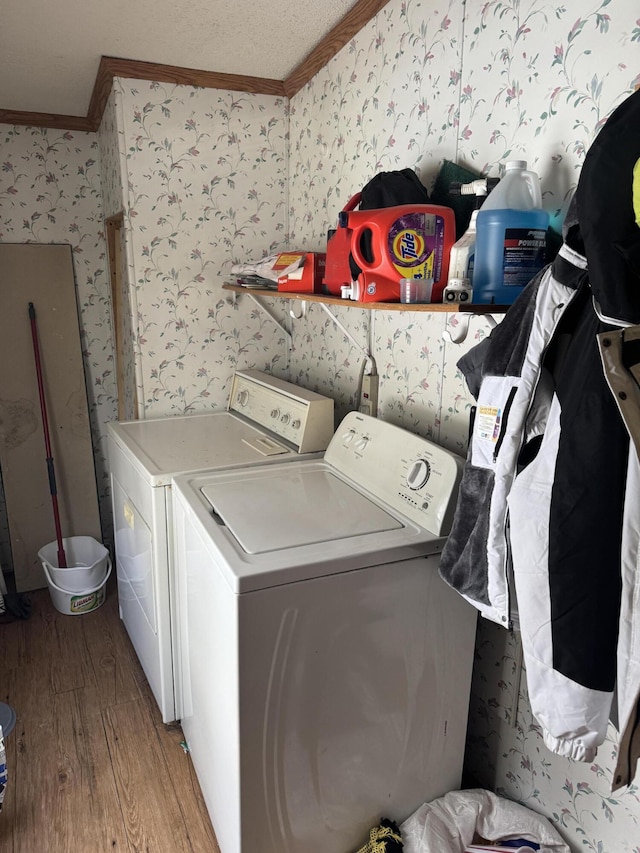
[273, 319]
[457, 326]
[365, 351]
[303, 311]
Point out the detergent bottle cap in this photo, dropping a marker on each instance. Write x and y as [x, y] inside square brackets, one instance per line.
[516, 164]
[350, 291]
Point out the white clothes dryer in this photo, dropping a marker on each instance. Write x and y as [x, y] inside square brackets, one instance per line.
[267, 420]
[324, 666]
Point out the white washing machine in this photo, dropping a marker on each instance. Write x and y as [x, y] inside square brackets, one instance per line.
[267, 420]
[324, 666]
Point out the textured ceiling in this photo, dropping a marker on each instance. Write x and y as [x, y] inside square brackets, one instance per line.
[50, 49]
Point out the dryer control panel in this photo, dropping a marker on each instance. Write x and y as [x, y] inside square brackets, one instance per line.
[418, 478]
[300, 416]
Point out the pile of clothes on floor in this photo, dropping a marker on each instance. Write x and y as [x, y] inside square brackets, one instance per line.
[467, 822]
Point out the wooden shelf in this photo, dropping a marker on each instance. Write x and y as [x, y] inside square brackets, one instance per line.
[468, 308]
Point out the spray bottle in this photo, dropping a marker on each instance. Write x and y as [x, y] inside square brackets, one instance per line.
[462, 257]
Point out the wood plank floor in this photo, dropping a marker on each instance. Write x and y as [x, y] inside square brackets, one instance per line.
[91, 766]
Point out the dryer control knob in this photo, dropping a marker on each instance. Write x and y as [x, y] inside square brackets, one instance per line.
[275, 413]
[418, 474]
[243, 397]
[349, 436]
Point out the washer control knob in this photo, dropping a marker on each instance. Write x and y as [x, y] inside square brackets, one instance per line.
[349, 436]
[243, 397]
[362, 443]
[418, 474]
[275, 413]
[285, 419]
[296, 423]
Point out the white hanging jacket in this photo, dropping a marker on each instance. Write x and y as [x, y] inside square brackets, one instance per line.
[549, 504]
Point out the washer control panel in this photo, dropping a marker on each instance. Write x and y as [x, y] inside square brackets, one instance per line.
[412, 474]
[301, 417]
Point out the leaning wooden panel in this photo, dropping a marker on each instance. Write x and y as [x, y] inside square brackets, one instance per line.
[43, 274]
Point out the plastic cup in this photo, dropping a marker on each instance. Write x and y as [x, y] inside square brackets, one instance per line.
[415, 290]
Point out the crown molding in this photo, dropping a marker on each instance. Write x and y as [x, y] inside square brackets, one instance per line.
[110, 67]
[332, 43]
[46, 120]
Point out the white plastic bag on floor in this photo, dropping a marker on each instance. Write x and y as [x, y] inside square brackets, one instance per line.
[449, 824]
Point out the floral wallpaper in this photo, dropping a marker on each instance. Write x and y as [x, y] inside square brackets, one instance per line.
[115, 194]
[387, 101]
[205, 186]
[476, 83]
[50, 193]
[505, 752]
[206, 178]
[111, 146]
[546, 77]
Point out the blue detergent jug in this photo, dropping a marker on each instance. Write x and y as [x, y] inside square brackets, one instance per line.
[511, 232]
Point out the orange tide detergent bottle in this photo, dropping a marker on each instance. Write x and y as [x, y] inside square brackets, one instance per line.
[391, 243]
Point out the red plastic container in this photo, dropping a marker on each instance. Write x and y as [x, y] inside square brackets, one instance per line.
[337, 271]
[406, 241]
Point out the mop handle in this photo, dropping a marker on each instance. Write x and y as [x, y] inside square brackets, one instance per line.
[62, 560]
[43, 404]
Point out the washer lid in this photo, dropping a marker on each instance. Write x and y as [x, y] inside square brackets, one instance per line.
[294, 508]
[301, 525]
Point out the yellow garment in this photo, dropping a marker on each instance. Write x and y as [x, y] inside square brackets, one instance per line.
[636, 191]
[378, 838]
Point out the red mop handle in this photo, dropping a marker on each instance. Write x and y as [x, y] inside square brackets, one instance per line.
[62, 558]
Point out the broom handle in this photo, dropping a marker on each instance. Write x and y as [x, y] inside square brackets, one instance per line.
[62, 558]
